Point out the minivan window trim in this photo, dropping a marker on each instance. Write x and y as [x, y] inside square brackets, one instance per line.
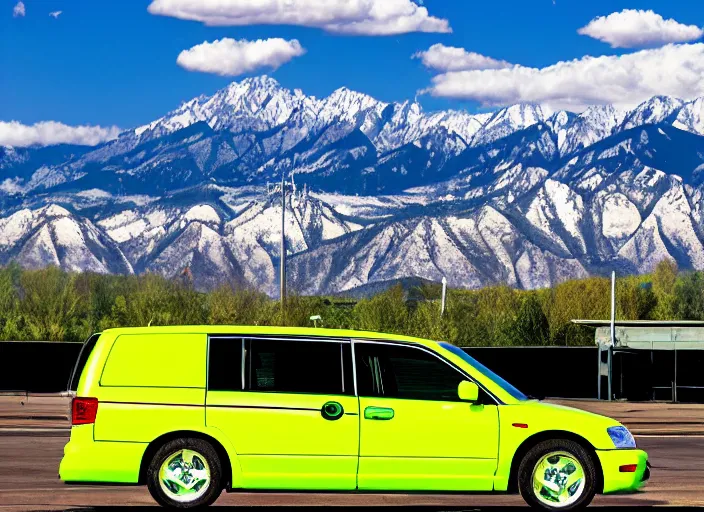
[242, 338]
[352, 341]
[88, 345]
[496, 400]
[281, 337]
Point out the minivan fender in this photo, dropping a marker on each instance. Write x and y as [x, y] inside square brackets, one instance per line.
[213, 435]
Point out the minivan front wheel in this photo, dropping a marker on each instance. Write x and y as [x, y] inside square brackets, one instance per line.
[185, 473]
[557, 474]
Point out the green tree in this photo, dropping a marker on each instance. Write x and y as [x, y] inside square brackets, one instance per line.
[385, 312]
[50, 305]
[664, 280]
[634, 299]
[10, 319]
[689, 297]
[531, 326]
[227, 305]
[584, 298]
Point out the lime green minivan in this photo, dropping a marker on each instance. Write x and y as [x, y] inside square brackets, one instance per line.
[190, 411]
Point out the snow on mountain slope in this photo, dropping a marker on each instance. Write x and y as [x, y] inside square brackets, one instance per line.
[619, 217]
[674, 217]
[507, 121]
[201, 249]
[53, 236]
[578, 132]
[256, 104]
[653, 111]
[557, 212]
[385, 191]
[254, 236]
[471, 251]
[419, 248]
[691, 117]
[408, 123]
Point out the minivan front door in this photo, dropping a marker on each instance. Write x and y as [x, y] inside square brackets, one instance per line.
[288, 407]
[415, 432]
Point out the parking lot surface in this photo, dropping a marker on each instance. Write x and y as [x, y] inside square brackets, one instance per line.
[28, 481]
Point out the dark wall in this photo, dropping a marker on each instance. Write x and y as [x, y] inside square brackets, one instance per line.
[566, 372]
[36, 367]
[554, 372]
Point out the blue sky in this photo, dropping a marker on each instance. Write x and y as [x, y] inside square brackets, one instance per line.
[113, 63]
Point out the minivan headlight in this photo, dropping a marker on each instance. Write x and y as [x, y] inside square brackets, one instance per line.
[621, 437]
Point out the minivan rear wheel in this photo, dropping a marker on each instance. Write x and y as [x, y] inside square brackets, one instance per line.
[557, 474]
[185, 473]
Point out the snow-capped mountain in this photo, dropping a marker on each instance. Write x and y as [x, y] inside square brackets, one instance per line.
[378, 192]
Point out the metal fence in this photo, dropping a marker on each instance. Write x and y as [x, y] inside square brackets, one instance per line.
[37, 367]
[565, 372]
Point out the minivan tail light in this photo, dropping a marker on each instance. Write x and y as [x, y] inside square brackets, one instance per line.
[83, 410]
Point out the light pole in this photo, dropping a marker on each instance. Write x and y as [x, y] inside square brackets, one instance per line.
[613, 332]
[444, 292]
[282, 257]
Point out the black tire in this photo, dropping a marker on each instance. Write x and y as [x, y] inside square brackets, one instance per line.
[204, 450]
[535, 454]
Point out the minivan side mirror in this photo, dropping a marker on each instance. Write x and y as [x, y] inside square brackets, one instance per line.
[468, 391]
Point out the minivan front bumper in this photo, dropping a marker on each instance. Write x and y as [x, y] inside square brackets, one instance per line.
[617, 481]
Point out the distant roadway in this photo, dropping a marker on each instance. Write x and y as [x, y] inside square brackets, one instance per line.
[29, 464]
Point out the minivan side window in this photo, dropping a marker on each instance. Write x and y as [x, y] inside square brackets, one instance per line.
[292, 366]
[225, 364]
[396, 371]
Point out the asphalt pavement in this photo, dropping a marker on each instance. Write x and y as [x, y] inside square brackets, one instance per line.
[29, 482]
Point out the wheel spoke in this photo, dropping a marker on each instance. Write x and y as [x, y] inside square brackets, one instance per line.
[573, 479]
[169, 476]
[549, 485]
[185, 475]
[558, 479]
[542, 467]
[200, 475]
[187, 456]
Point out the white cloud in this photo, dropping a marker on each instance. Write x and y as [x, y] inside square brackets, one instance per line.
[363, 17]
[227, 57]
[18, 10]
[47, 133]
[55, 14]
[633, 28]
[625, 80]
[449, 58]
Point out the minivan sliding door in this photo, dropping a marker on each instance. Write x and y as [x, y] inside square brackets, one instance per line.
[289, 408]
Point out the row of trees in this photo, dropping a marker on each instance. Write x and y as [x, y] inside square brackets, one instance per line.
[51, 304]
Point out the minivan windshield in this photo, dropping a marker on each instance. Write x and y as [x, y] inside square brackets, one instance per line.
[500, 381]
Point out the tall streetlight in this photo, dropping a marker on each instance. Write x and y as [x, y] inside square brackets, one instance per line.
[282, 257]
[444, 295]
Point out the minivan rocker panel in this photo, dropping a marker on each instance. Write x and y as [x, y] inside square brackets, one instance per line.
[190, 411]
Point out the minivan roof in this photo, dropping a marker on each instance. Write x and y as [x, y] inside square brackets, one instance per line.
[265, 331]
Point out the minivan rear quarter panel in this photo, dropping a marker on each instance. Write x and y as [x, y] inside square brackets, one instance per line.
[151, 382]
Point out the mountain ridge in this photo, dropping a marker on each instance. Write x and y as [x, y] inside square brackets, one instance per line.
[379, 192]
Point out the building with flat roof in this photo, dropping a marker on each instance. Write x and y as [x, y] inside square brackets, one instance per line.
[649, 359]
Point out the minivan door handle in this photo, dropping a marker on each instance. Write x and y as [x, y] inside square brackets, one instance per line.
[378, 413]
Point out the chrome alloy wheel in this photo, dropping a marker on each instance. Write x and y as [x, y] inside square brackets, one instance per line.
[558, 479]
[185, 476]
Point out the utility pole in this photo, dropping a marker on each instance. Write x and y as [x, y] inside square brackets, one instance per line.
[444, 294]
[613, 331]
[282, 261]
